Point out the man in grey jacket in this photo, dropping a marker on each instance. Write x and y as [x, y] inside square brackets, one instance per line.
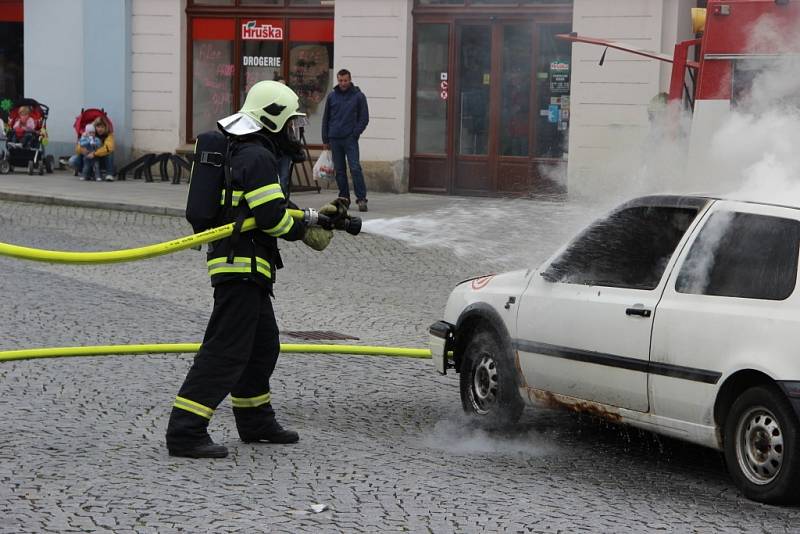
[345, 119]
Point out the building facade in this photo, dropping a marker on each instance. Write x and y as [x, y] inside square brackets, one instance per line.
[465, 96]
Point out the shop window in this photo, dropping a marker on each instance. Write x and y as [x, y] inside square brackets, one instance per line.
[553, 73]
[262, 52]
[212, 72]
[290, 2]
[310, 72]
[432, 88]
[300, 51]
[518, 2]
[11, 54]
[491, 2]
[515, 107]
[475, 64]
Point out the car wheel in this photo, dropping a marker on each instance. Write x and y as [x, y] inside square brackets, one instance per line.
[5, 166]
[488, 382]
[760, 446]
[30, 168]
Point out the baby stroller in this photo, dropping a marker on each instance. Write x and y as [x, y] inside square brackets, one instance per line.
[88, 116]
[32, 156]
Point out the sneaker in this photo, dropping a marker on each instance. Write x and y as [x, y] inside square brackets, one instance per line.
[362, 204]
[82, 178]
[98, 179]
[109, 177]
[344, 201]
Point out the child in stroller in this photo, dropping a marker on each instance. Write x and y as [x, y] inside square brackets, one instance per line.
[26, 138]
[23, 128]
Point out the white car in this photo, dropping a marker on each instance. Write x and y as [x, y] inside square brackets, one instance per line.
[676, 314]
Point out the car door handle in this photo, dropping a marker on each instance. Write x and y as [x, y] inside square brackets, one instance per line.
[642, 312]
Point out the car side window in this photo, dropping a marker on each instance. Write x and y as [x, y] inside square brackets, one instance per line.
[630, 248]
[743, 255]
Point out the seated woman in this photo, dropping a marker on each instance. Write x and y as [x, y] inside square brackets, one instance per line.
[104, 154]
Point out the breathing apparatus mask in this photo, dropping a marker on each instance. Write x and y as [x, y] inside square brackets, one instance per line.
[290, 140]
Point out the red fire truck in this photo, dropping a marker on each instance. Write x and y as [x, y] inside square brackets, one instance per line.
[712, 73]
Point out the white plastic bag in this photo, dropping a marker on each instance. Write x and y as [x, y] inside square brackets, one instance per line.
[323, 168]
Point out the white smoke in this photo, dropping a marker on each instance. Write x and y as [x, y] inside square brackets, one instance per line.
[459, 437]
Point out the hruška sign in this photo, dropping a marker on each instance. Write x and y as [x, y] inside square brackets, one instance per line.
[261, 31]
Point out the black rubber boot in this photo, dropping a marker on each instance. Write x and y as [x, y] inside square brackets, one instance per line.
[187, 436]
[271, 432]
[203, 449]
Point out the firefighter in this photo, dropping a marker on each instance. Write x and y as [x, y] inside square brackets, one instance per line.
[241, 345]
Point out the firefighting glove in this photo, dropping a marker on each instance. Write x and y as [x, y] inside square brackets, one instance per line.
[317, 237]
[329, 209]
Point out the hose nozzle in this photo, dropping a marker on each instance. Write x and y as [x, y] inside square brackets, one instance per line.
[348, 223]
[340, 221]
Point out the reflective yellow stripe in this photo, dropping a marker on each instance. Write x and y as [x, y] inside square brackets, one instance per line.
[282, 227]
[251, 402]
[240, 264]
[194, 407]
[264, 194]
[220, 265]
[263, 267]
[235, 199]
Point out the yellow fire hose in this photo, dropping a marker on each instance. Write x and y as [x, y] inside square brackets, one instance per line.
[130, 254]
[165, 348]
[160, 249]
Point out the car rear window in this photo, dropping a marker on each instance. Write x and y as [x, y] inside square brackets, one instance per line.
[630, 248]
[743, 255]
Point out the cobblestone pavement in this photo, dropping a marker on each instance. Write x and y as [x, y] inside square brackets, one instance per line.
[383, 443]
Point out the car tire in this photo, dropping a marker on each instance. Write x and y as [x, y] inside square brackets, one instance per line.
[760, 442]
[488, 382]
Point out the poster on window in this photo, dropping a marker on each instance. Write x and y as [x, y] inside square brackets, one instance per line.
[559, 76]
[309, 74]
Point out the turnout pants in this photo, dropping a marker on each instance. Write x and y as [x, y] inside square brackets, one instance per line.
[238, 354]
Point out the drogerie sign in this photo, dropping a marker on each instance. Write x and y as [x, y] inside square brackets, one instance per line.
[257, 61]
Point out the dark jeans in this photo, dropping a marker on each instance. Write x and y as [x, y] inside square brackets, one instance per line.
[91, 167]
[106, 163]
[348, 148]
